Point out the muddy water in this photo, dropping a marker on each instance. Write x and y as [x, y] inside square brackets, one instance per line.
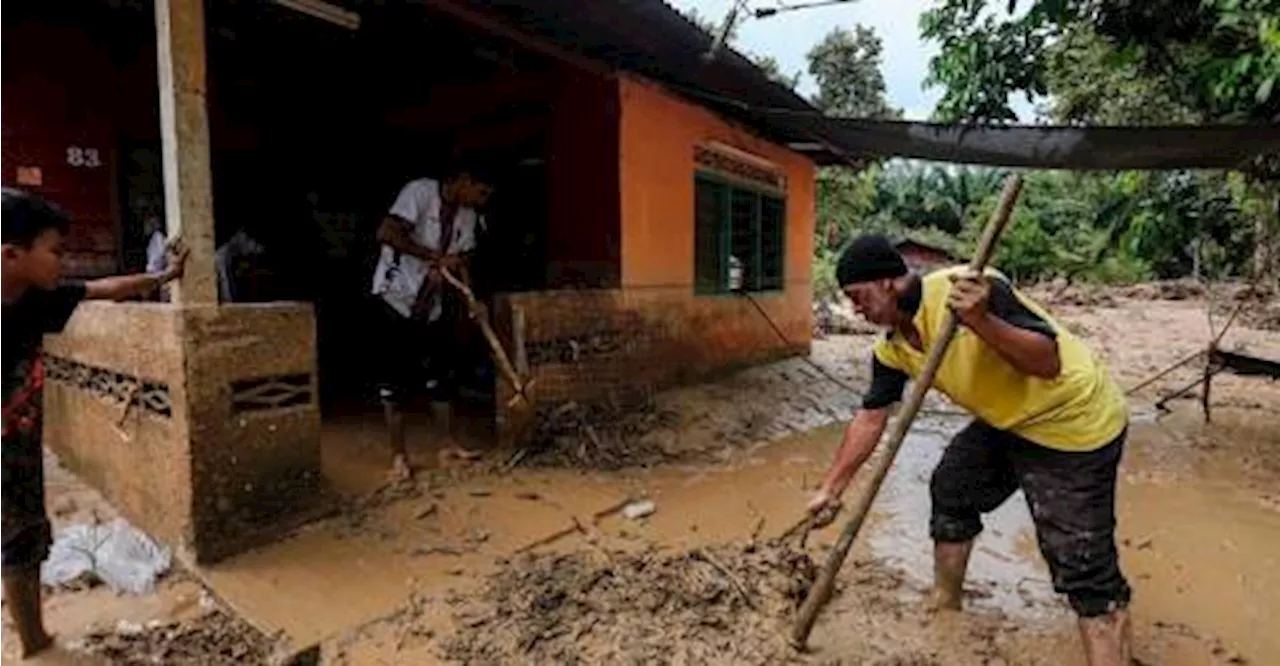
[1200, 541]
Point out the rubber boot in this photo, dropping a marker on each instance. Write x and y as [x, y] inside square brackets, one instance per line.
[950, 560]
[1107, 639]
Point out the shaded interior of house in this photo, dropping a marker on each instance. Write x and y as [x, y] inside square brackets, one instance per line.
[624, 225]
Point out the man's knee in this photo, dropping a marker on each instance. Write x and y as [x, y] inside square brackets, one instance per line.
[952, 519]
[1096, 604]
[1086, 568]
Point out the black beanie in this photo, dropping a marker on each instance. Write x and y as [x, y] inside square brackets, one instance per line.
[869, 257]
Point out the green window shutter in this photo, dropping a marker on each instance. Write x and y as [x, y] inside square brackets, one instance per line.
[711, 206]
[773, 233]
[745, 232]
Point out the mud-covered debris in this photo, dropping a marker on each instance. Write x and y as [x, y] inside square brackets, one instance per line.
[213, 639]
[1061, 292]
[639, 509]
[1165, 290]
[605, 435]
[727, 605]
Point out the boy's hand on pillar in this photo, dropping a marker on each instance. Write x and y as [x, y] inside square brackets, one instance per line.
[176, 252]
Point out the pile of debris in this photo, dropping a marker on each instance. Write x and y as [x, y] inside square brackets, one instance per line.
[726, 605]
[607, 435]
[1165, 290]
[835, 316]
[1081, 294]
[213, 639]
[1061, 292]
[1261, 310]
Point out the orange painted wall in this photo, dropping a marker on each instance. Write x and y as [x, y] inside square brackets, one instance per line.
[658, 135]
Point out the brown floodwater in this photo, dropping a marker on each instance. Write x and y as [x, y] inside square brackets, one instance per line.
[1200, 537]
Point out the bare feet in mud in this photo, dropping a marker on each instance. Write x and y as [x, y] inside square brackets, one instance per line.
[41, 645]
[400, 471]
[453, 455]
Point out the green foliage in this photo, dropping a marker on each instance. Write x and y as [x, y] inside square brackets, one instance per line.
[1090, 61]
[1112, 228]
[1214, 59]
[846, 67]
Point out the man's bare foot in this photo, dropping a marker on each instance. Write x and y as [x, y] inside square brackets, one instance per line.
[36, 646]
[452, 454]
[945, 600]
[400, 469]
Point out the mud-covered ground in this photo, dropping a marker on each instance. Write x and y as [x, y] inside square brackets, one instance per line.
[442, 572]
[710, 605]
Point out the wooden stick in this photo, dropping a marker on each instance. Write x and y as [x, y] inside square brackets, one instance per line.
[129, 399]
[1156, 377]
[499, 353]
[575, 528]
[705, 556]
[822, 587]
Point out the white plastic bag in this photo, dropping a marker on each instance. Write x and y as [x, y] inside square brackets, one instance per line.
[120, 556]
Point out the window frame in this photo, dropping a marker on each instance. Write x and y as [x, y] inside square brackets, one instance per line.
[725, 236]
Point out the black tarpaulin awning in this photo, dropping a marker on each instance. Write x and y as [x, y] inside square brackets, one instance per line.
[1055, 147]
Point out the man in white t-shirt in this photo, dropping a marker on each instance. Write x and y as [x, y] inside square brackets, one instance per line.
[433, 224]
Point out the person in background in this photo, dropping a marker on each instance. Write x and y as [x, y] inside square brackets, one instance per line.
[36, 303]
[432, 226]
[237, 264]
[1049, 420]
[157, 246]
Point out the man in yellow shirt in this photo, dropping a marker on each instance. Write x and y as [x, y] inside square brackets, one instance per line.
[1048, 420]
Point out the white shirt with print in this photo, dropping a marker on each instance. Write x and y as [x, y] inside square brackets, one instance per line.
[399, 277]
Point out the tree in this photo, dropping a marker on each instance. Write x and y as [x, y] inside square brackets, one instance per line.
[1087, 82]
[1218, 58]
[846, 67]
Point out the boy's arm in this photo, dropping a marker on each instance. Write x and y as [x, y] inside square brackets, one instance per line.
[122, 287]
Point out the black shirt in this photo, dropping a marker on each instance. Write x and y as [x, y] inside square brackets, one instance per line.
[887, 384]
[26, 321]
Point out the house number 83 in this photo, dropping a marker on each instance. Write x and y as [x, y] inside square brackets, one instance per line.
[83, 157]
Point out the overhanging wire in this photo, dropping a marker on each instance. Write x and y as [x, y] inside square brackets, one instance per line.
[814, 364]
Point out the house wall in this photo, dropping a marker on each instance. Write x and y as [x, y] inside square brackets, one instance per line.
[652, 330]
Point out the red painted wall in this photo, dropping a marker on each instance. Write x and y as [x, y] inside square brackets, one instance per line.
[60, 95]
[583, 234]
[80, 110]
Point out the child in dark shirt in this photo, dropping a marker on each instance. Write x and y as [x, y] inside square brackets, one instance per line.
[35, 304]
